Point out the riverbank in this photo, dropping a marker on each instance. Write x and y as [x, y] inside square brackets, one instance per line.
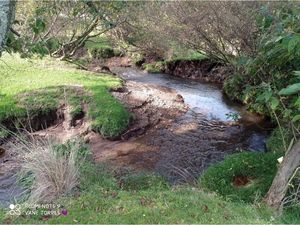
[168, 135]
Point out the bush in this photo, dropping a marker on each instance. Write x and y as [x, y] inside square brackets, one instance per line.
[102, 52]
[233, 87]
[275, 142]
[156, 67]
[226, 178]
[52, 170]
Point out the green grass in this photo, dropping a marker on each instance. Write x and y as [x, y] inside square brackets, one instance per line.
[37, 86]
[148, 199]
[259, 167]
[189, 55]
[98, 41]
[104, 200]
[275, 142]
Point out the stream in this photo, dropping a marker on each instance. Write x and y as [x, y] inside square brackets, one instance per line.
[205, 134]
[184, 148]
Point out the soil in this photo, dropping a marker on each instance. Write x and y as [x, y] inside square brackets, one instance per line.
[242, 181]
[164, 136]
[203, 70]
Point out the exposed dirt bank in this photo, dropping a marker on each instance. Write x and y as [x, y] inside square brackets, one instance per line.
[154, 107]
[202, 70]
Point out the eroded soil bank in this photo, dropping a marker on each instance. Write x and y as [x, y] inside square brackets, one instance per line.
[203, 70]
[180, 127]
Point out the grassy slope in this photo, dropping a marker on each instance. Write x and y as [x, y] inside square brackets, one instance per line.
[150, 201]
[103, 201]
[19, 75]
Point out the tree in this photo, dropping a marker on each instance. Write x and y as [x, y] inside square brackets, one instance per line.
[60, 28]
[276, 193]
[7, 11]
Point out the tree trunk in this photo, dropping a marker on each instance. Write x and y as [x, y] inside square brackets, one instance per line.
[280, 183]
[7, 12]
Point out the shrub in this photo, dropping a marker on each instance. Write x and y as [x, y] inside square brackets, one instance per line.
[233, 87]
[52, 170]
[156, 67]
[52, 44]
[275, 142]
[226, 178]
[102, 52]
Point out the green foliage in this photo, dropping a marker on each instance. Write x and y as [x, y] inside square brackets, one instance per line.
[156, 67]
[270, 84]
[259, 168]
[52, 44]
[101, 47]
[102, 52]
[188, 55]
[83, 152]
[275, 142]
[104, 200]
[233, 87]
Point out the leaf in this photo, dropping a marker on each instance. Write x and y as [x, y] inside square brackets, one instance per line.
[297, 102]
[265, 96]
[274, 103]
[293, 43]
[290, 90]
[296, 118]
[297, 74]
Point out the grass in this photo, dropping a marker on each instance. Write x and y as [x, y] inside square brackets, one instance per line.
[189, 55]
[103, 200]
[39, 85]
[148, 199]
[260, 168]
[275, 142]
[51, 170]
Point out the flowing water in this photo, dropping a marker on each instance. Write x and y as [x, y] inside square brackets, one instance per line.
[205, 134]
[200, 137]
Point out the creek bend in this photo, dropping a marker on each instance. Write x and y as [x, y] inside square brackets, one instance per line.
[180, 150]
[204, 134]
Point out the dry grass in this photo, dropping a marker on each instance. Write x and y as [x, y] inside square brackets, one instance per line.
[54, 174]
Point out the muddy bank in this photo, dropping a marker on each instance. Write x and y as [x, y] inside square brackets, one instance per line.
[59, 128]
[201, 70]
[180, 127]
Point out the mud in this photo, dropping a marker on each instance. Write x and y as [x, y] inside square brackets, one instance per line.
[179, 129]
[202, 70]
[64, 129]
[176, 135]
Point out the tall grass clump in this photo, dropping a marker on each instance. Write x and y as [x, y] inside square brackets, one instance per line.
[50, 171]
